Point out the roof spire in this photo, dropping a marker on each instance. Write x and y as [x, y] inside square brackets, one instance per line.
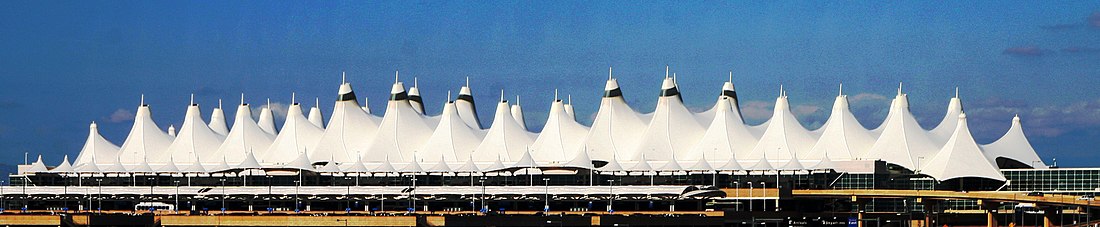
[517, 100]
[731, 76]
[609, 73]
[269, 103]
[556, 95]
[841, 89]
[219, 103]
[956, 91]
[899, 88]
[396, 73]
[674, 79]
[502, 95]
[242, 98]
[143, 99]
[293, 98]
[570, 97]
[317, 102]
[192, 99]
[343, 77]
[780, 90]
[448, 95]
[467, 81]
[666, 71]
[415, 84]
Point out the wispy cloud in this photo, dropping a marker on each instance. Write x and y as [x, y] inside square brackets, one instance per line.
[121, 115]
[1024, 51]
[1045, 121]
[278, 109]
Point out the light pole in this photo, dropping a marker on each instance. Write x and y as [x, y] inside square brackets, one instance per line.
[751, 197]
[546, 196]
[3, 205]
[412, 194]
[296, 183]
[100, 195]
[610, 195]
[484, 206]
[269, 195]
[223, 194]
[737, 194]
[764, 186]
[346, 178]
[150, 186]
[177, 197]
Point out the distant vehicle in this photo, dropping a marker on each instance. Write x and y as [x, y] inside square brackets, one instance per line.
[1035, 194]
[154, 205]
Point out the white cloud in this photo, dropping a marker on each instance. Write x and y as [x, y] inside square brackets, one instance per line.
[121, 115]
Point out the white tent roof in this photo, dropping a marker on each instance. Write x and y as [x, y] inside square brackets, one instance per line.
[64, 167]
[330, 167]
[348, 130]
[145, 138]
[217, 120]
[315, 116]
[298, 135]
[569, 109]
[414, 97]
[726, 137]
[302, 162]
[582, 160]
[195, 139]
[249, 162]
[961, 157]
[221, 166]
[96, 147]
[246, 135]
[402, 130]
[825, 163]
[761, 165]
[561, 138]
[413, 167]
[497, 165]
[357, 167]
[386, 167]
[731, 164]
[90, 167]
[171, 132]
[169, 166]
[526, 161]
[843, 137]
[267, 119]
[469, 166]
[672, 130]
[467, 110]
[701, 164]
[942, 132]
[784, 136]
[616, 128]
[612, 165]
[440, 167]
[517, 114]
[1014, 145]
[453, 140]
[366, 106]
[903, 141]
[38, 166]
[114, 167]
[792, 164]
[196, 166]
[142, 167]
[505, 139]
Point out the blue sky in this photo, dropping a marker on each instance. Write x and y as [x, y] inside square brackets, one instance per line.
[66, 63]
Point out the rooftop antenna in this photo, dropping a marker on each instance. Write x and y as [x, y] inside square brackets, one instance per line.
[192, 99]
[396, 73]
[317, 102]
[666, 71]
[781, 90]
[899, 88]
[570, 97]
[731, 76]
[517, 100]
[242, 98]
[415, 84]
[219, 103]
[556, 95]
[343, 77]
[293, 98]
[956, 91]
[467, 81]
[142, 99]
[448, 95]
[269, 103]
[609, 73]
[502, 95]
[841, 89]
[674, 78]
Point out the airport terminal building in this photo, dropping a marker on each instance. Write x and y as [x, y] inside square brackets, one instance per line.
[670, 161]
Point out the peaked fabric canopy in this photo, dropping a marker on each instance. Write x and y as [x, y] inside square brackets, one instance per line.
[961, 157]
[505, 140]
[64, 167]
[903, 141]
[297, 136]
[195, 139]
[315, 117]
[1014, 145]
[561, 137]
[672, 130]
[943, 131]
[217, 121]
[96, 147]
[145, 139]
[726, 136]
[347, 132]
[517, 114]
[453, 140]
[267, 119]
[466, 108]
[784, 136]
[245, 136]
[616, 128]
[843, 137]
[37, 167]
[401, 132]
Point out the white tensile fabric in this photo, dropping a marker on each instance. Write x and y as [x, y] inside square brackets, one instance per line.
[961, 157]
[195, 139]
[415, 100]
[90, 167]
[315, 116]
[172, 132]
[561, 137]
[726, 136]
[142, 167]
[505, 140]
[267, 119]
[517, 113]
[468, 167]
[672, 129]
[453, 140]
[903, 141]
[245, 136]
[569, 109]
[301, 162]
[402, 131]
[843, 137]
[145, 139]
[64, 167]
[249, 162]
[1014, 145]
[348, 130]
[616, 128]
[37, 166]
[784, 138]
[582, 160]
[297, 136]
[943, 131]
[96, 148]
[467, 110]
[217, 121]
[357, 167]
[169, 167]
